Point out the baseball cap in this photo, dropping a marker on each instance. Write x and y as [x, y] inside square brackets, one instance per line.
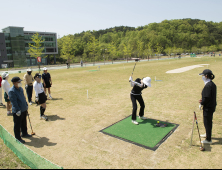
[37, 75]
[206, 72]
[16, 79]
[29, 69]
[44, 68]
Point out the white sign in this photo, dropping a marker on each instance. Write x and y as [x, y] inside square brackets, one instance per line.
[4, 65]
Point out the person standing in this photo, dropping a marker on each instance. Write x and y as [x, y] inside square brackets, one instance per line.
[28, 79]
[136, 95]
[1, 104]
[40, 95]
[81, 62]
[6, 87]
[19, 109]
[209, 103]
[47, 81]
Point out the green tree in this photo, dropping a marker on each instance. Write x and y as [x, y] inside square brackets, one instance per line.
[67, 51]
[36, 49]
[127, 51]
[159, 50]
[168, 51]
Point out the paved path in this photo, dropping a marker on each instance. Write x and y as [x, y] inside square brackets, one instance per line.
[78, 65]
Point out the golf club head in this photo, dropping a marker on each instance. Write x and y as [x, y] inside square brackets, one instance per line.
[136, 60]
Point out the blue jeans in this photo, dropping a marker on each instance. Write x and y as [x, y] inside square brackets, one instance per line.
[29, 91]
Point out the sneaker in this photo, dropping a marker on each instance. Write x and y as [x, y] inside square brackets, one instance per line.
[30, 103]
[135, 122]
[203, 136]
[206, 142]
[143, 118]
[9, 114]
[50, 96]
[1, 104]
[44, 117]
[26, 136]
[22, 141]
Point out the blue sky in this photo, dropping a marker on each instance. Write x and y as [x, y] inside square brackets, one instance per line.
[74, 16]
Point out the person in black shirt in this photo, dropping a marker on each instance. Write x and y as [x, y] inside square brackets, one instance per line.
[136, 95]
[47, 81]
[209, 103]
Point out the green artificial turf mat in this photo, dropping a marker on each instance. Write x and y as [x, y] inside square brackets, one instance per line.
[146, 134]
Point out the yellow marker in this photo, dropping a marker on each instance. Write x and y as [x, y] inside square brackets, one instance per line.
[158, 122]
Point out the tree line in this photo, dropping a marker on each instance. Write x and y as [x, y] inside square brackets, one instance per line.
[169, 37]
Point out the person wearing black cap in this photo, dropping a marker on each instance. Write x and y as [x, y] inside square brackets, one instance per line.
[19, 109]
[40, 95]
[209, 103]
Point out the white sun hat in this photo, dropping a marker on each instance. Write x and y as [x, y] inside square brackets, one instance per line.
[147, 81]
[4, 75]
[29, 69]
[45, 68]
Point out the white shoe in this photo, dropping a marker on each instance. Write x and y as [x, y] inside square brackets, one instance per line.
[206, 141]
[135, 122]
[143, 118]
[44, 117]
[30, 103]
[203, 136]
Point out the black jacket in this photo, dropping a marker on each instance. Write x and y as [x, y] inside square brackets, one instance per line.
[136, 89]
[209, 97]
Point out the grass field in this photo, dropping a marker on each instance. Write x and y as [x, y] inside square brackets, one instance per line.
[71, 137]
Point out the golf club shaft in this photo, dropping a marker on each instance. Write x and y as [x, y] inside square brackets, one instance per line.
[30, 123]
[133, 69]
[192, 130]
[198, 128]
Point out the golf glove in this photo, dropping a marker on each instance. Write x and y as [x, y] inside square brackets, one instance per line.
[130, 79]
[37, 99]
[18, 113]
[200, 106]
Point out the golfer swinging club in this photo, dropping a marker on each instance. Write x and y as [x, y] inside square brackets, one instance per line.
[40, 95]
[136, 95]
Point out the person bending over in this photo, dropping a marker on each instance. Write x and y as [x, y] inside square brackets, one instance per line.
[136, 95]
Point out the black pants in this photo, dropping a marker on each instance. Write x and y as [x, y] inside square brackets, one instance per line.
[20, 124]
[29, 91]
[208, 117]
[138, 98]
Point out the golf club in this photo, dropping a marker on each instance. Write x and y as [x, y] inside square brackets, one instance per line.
[201, 147]
[192, 131]
[33, 133]
[134, 66]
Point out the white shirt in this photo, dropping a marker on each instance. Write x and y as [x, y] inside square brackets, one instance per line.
[38, 87]
[5, 86]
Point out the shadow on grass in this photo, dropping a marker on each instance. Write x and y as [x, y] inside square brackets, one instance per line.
[154, 122]
[54, 118]
[39, 142]
[56, 99]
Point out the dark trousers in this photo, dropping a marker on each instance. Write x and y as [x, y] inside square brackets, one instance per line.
[29, 91]
[20, 124]
[138, 98]
[208, 117]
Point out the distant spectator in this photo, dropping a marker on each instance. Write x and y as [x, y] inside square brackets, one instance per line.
[6, 87]
[81, 62]
[47, 81]
[19, 109]
[28, 79]
[1, 104]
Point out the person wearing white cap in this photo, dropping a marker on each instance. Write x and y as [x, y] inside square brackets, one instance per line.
[1, 104]
[136, 95]
[47, 81]
[6, 87]
[28, 80]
